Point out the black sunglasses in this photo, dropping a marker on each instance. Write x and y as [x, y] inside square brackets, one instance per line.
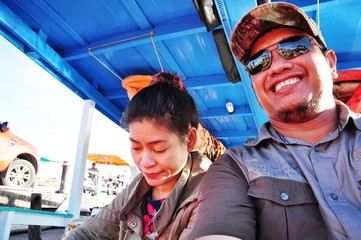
[288, 48]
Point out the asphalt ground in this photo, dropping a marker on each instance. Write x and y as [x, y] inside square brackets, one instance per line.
[52, 233]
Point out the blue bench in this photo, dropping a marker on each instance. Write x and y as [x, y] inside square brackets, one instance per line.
[11, 215]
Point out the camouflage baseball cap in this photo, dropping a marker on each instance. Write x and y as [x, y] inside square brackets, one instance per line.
[265, 17]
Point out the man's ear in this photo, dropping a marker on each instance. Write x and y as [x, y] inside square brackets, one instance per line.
[255, 92]
[192, 138]
[332, 60]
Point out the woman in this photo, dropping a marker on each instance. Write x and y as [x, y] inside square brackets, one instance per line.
[160, 203]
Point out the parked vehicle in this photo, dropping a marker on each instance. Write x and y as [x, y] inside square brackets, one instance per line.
[19, 160]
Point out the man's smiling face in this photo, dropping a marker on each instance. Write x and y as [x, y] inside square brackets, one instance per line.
[297, 89]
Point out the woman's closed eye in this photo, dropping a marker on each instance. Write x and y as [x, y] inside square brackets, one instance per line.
[135, 148]
[160, 150]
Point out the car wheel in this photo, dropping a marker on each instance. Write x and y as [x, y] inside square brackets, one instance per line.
[20, 173]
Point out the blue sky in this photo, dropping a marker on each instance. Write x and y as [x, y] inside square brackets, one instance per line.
[44, 112]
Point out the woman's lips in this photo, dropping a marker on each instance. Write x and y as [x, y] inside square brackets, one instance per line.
[151, 175]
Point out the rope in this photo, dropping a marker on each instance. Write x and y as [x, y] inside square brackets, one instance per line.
[155, 50]
[104, 65]
[120, 41]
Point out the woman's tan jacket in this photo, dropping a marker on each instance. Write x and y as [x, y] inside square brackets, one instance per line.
[124, 214]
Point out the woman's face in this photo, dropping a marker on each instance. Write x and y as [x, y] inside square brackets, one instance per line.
[158, 153]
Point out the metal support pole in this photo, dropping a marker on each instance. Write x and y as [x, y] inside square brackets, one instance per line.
[34, 231]
[65, 180]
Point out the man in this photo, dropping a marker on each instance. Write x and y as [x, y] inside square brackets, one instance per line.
[93, 173]
[301, 177]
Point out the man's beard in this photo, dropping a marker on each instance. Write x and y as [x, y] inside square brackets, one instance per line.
[300, 113]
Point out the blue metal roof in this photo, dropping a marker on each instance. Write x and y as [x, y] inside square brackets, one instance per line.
[90, 46]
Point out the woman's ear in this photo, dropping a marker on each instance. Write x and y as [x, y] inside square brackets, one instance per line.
[192, 138]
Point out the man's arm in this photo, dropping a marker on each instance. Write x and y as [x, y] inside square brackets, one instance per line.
[224, 206]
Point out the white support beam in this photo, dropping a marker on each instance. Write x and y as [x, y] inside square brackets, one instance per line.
[80, 160]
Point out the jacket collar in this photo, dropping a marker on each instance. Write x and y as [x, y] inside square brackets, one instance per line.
[196, 164]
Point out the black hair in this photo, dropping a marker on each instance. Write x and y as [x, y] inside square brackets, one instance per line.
[166, 102]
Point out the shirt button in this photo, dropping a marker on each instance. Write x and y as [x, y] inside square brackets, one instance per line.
[133, 224]
[284, 196]
[334, 196]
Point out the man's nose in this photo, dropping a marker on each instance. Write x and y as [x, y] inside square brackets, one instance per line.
[279, 63]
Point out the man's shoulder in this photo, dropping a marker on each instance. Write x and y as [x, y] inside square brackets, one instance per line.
[233, 155]
[241, 151]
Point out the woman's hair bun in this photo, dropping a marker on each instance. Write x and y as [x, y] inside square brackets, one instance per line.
[169, 78]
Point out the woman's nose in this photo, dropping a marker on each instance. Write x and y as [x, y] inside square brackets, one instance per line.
[147, 160]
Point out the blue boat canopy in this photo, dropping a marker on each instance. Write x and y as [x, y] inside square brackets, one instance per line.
[92, 46]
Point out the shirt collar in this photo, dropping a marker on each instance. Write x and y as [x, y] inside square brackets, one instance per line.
[345, 115]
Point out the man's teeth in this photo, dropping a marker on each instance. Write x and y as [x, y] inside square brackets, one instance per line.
[286, 83]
